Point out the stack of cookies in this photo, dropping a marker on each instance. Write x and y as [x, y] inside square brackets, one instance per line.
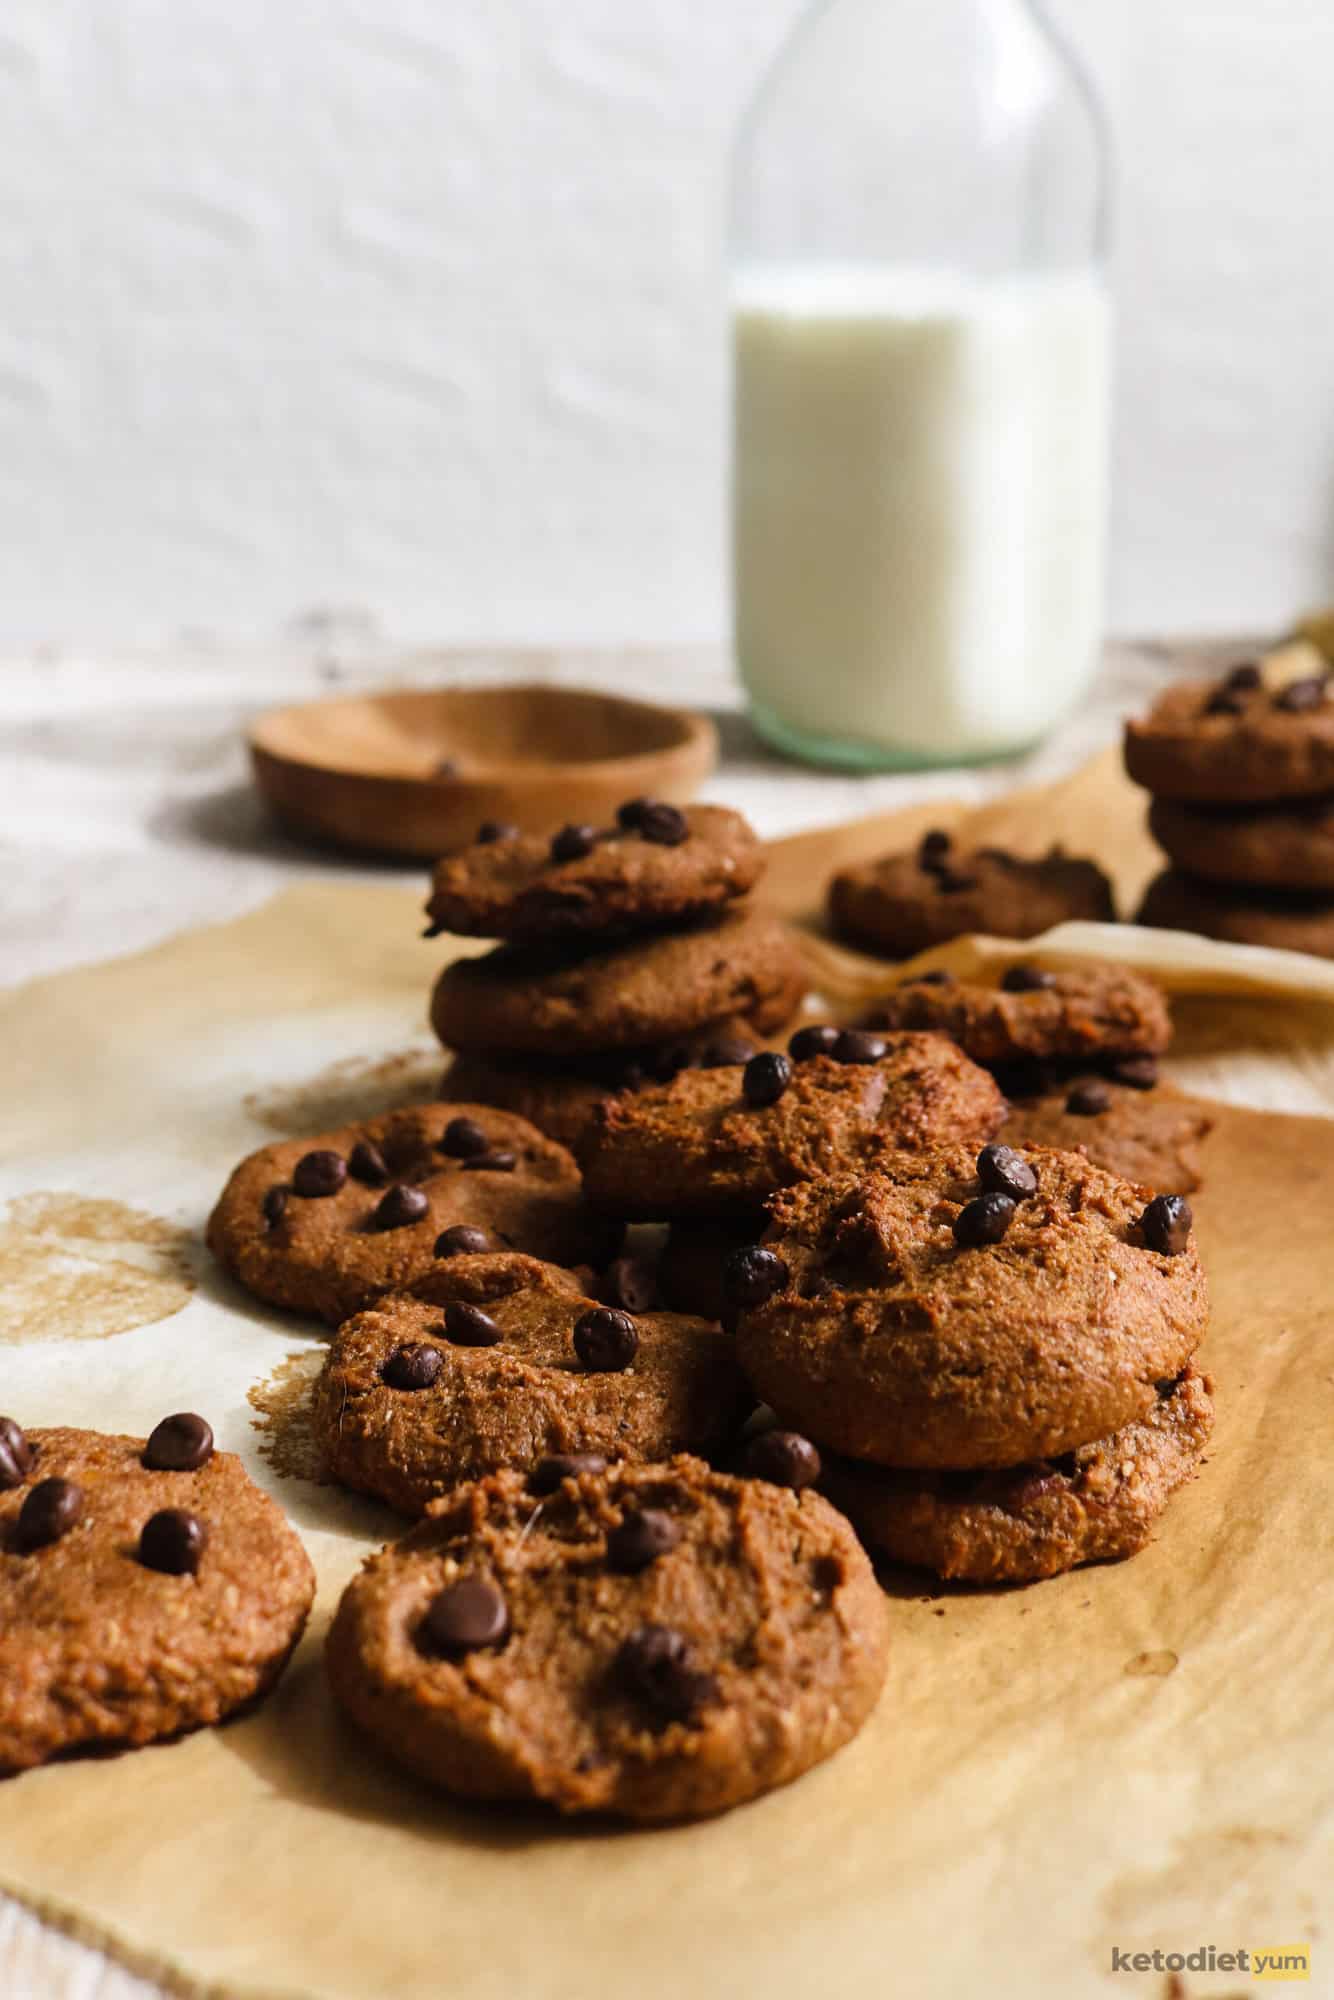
[993, 1352]
[1241, 770]
[627, 953]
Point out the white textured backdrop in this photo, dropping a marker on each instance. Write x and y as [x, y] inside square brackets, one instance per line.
[412, 308]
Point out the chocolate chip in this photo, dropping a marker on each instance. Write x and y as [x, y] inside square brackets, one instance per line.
[632, 812]
[934, 846]
[400, 1207]
[664, 825]
[808, 1043]
[764, 1079]
[50, 1511]
[1089, 1099]
[1224, 701]
[1298, 696]
[468, 1616]
[639, 1539]
[16, 1455]
[950, 883]
[1003, 1171]
[1247, 675]
[320, 1173]
[1027, 1486]
[469, 1326]
[1167, 1388]
[751, 1277]
[783, 1458]
[367, 1163]
[461, 1241]
[1136, 1072]
[172, 1541]
[491, 1163]
[605, 1340]
[572, 843]
[725, 1052]
[937, 976]
[855, 1045]
[654, 1664]
[630, 1283]
[179, 1444]
[274, 1206]
[548, 1474]
[492, 830]
[415, 1366]
[1166, 1224]
[1027, 979]
[462, 1138]
[982, 1221]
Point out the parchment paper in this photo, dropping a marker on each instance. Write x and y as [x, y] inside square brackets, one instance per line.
[1135, 1757]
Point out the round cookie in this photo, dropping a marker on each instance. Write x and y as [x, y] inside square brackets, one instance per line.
[1177, 902]
[1152, 1137]
[906, 903]
[1264, 847]
[666, 866]
[99, 1648]
[540, 1001]
[406, 1409]
[561, 1100]
[1235, 741]
[325, 1225]
[901, 1330]
[656, 1642]
[1100, 1503]
[1087, 1014]
[718, 1141]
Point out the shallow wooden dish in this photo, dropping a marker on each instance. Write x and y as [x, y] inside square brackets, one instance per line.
[415, 773]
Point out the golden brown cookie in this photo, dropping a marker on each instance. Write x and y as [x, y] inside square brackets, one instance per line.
[572, 1002]
[657, 1642]
[1235, 741]
[1177, 902]
[325, 1225]
[497, 1364]
[1149, 1136]
[922, 1316]
[561, 1098]
[1099, 1503]
[1086, 1014]
[721, 1141]
[146, 1587]
[906, 903]
[661, 865]
[1281, 847]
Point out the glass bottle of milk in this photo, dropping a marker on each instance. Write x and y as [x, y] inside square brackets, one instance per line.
[922, 357]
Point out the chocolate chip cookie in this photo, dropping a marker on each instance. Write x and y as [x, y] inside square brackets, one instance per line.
[325, 1225]
[544, 1001]
[1262, 847]
[953, 1312]
[721, 1141]
[561, 1098]
[1085, 1015]
[1152, 1136]
[146, 1587]
[659, 865]
[1236, 741]
[1099, 1503]
[1177, 902]
[657, 1642]
[906, 903]
[504, 1361]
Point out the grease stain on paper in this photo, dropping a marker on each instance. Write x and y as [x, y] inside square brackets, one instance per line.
[73, 1267]
[282, 1401]
[348, 1091]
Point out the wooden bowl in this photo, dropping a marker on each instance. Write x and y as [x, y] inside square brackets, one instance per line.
[415, 773]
